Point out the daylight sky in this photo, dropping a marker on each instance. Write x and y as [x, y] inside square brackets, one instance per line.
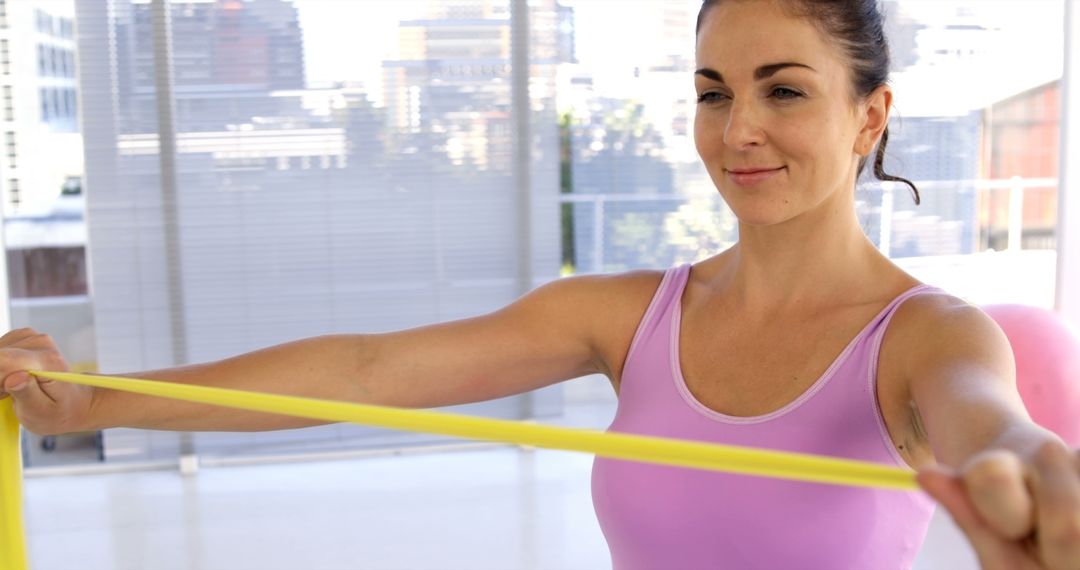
[348, 39]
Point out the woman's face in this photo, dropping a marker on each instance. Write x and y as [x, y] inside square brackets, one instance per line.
[776, 124]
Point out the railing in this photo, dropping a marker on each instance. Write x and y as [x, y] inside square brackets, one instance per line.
[884, 211]
[1012, 274]
[1016, 186]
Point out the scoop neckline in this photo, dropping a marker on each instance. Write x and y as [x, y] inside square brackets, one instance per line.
[817, 386]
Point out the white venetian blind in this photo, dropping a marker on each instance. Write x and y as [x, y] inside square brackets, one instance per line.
[380, 195]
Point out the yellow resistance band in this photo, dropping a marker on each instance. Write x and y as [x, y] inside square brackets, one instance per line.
[12, 544]
[647, 449]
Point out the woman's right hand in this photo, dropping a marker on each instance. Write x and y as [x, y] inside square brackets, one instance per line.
[42, 406]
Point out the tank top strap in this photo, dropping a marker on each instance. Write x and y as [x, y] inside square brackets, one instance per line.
[874, 334]
[881, 322]
[658, 314]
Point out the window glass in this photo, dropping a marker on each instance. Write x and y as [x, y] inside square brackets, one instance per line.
[339, 167]
[975, 125]
[349, 166]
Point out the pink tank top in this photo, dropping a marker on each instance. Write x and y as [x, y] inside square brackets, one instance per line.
[658, 517]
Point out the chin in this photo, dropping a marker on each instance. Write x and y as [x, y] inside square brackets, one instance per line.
[760, 213]
[761, 221]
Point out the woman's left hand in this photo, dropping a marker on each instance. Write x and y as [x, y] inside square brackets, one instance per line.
[1018, 512]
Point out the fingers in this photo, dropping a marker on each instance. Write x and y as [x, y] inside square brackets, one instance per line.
[994, 552]
[15, 380]
[8, 383]
[949, 491]
[26, 349]
[16, 335]
[28, 339]
[1056, 486]
[17, 345]
[997, 487]
[28, 392]
[42, 406]
[36, 410]
[1016, 515]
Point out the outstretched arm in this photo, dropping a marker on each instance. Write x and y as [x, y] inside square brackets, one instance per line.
[547, 336]
[1010, 485]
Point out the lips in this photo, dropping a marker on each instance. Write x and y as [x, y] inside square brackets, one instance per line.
[751, 176]
[750, 170]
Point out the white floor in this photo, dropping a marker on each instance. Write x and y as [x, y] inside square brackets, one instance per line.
[495, 508]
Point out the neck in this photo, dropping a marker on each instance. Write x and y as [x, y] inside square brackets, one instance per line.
[822, 256]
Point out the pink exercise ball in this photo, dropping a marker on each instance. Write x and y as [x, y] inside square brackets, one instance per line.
[1047, 351]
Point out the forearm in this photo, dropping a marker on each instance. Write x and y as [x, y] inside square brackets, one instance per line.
[1014, 434]
[327, 367]
[1025, 439]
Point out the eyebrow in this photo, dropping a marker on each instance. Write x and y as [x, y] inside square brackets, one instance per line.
[763, 72]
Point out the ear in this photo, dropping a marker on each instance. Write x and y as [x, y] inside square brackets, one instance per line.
[874, 117]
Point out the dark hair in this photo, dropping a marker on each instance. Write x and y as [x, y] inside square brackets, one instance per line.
[859, 27]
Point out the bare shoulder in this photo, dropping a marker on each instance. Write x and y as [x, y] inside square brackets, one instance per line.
[608, 306]
[931, 333]
[957, 370]
[604, 292]
[925, 324]
[942, 360]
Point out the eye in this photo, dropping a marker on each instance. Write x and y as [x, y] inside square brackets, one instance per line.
[711, 97]
[785, 93]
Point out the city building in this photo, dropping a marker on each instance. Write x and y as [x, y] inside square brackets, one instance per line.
[39, 109]
[41, 173]
[285, 212]
[452, 79]
[940, 129]
[228, 58]
[631, 151]
[1023, 138]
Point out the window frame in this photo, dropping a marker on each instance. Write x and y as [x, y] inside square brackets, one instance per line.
[1068, 263]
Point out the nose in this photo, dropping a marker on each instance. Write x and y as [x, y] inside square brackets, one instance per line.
[742, 127]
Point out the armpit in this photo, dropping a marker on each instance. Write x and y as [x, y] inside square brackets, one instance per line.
[915, 448]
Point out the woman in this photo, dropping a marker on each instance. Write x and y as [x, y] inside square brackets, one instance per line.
[802, 337]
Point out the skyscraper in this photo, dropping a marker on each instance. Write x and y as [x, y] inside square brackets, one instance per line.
[270, 221]
[228, 57]
[452, 81]
[38, 117]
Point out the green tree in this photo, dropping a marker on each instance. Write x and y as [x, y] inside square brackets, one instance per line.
[566, 186]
